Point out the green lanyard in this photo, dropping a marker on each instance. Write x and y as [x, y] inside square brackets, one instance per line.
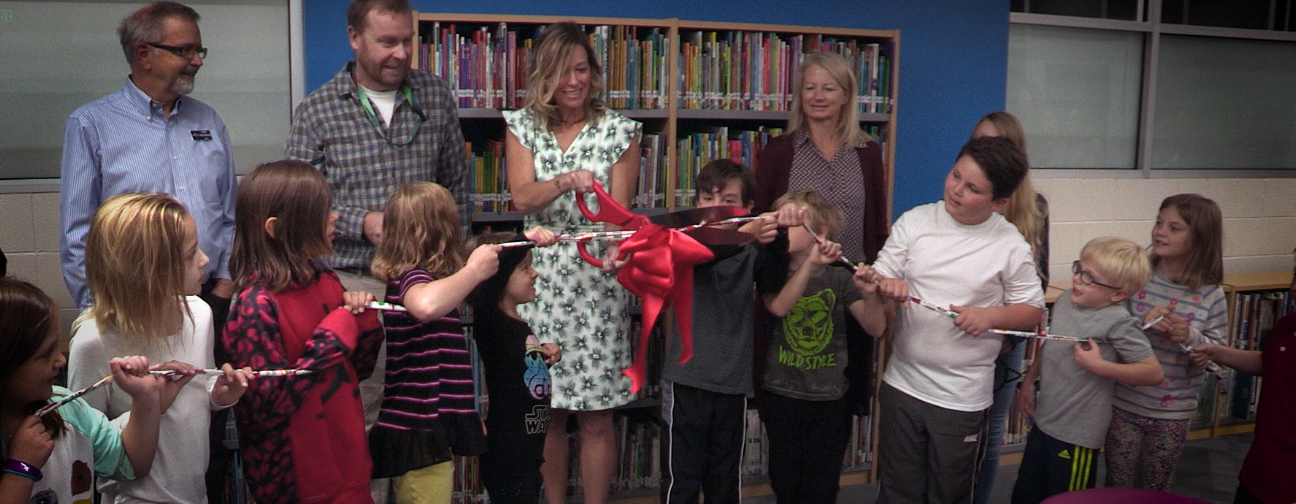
[377, 124]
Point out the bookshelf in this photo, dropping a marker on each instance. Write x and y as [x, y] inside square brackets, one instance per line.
[703, 90]
[1255, 302]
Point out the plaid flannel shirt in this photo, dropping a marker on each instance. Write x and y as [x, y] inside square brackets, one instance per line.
[331, 132]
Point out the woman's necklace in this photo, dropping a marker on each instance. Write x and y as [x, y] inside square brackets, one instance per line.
[565, 123]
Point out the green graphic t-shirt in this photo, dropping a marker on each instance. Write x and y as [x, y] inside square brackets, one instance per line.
[807, 348]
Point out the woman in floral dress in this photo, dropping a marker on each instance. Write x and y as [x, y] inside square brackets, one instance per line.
[562, 142]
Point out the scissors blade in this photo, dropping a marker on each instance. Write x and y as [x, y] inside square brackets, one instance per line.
[717, 236]
[693, 216]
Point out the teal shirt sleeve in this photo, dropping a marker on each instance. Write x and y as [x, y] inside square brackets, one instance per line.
[110, 458]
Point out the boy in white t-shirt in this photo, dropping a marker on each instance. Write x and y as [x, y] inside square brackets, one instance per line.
[961, 254]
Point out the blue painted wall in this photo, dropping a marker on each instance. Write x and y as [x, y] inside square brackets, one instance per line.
[953, 58]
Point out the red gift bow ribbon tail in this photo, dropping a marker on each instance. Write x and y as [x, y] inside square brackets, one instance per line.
[659, 269]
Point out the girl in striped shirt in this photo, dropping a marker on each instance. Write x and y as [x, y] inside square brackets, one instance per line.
[427, 412]
[1150, 424]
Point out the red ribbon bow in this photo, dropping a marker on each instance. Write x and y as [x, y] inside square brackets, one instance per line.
[659, 269]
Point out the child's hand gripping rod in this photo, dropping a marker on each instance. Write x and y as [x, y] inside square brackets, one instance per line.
[1212, 367]
[820, 241]
[268, 373]
[1024, 334]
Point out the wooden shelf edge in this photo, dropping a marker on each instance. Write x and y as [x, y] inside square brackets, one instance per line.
[490, 113]
[815, 30]
[1264, 280]
[536, 19]
[1235, 428]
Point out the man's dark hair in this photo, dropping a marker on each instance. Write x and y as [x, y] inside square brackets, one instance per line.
[716, 174]
[145, 26]
[359, 9]
[1002, 162]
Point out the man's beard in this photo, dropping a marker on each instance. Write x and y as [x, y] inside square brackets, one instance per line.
[183, 85]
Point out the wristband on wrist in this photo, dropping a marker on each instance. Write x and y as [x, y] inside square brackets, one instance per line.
[14, 466]
[558, 183]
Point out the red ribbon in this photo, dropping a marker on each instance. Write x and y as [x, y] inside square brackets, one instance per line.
[659, 269]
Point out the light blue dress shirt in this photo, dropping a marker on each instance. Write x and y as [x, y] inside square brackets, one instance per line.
[123, 143]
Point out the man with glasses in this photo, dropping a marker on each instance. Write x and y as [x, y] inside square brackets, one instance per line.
[151, 137]
[374, 127]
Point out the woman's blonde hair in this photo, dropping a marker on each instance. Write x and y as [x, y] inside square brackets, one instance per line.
[135, 265]
[421, 231]
[1022, 210]
[1205, 265]
[298, 197]
[548, 64]
[820, 214]
[848, 128]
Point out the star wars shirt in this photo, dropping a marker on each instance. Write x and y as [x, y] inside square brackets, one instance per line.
[807, 348]
[517, 379]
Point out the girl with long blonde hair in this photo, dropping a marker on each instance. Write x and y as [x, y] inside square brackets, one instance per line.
[145, 270]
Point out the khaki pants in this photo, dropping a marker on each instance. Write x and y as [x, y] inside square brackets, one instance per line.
[371, 388]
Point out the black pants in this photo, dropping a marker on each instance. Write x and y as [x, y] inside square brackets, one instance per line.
[807, 440]
[510, 468]
[702, 445]
[1244, 496]
[219, 460]
[1050, 467]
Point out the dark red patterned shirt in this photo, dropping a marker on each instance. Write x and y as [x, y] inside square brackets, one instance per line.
[302, 438]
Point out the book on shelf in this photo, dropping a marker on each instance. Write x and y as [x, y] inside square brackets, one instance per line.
[697, 149]
[742, 70]
[486, 68]
[488, 186]
[1253, 318]
[651, 191]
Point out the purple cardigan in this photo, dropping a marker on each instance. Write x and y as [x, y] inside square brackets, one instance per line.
[774, 168]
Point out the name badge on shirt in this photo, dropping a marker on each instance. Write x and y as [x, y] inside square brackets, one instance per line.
[201, 135]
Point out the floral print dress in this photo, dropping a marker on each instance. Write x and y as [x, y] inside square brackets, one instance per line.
[578, 306]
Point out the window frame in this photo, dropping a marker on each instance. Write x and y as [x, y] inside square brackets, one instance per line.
[1152, 30]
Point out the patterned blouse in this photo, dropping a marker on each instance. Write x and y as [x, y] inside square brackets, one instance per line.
[840, 181]
[578, 306]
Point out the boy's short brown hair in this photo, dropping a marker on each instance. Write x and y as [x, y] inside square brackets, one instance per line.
[820, 215]
[1122, 262]
[717, 174]
[1002, 161]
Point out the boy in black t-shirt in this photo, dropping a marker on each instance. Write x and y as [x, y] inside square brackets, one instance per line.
[704, 401]
[517, 374]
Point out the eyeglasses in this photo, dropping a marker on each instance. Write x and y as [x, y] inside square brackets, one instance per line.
[186, 52]
[1087, 278]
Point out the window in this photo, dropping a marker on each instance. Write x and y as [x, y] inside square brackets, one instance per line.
[60, 55]
[1077, 92]
[1225, 103]
[1180, 85]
